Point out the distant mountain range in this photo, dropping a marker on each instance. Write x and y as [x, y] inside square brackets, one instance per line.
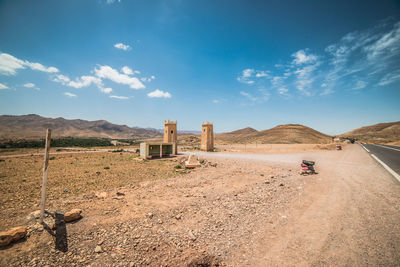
[34, 126]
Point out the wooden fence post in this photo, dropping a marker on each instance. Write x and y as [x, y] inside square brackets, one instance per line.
[45, 166]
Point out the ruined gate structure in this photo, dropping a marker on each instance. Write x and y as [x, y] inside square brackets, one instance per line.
[169, 145]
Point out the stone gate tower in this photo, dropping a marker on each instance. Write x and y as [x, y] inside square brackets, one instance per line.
[207, 137]
[171, 133]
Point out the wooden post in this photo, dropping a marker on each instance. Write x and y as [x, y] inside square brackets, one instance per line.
[161, 150]
[45, 166]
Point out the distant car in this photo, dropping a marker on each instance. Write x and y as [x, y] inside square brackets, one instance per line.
[338, 147]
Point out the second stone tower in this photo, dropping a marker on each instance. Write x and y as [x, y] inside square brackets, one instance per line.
[207, 137]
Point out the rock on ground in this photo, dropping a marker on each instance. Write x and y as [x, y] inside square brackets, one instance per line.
[72, 215]
[13, 234]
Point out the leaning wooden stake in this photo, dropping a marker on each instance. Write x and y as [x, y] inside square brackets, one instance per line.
[45, 166]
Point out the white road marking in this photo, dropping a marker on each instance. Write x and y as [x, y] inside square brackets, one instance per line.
[392, 172]
[365, 148]
[388, 147]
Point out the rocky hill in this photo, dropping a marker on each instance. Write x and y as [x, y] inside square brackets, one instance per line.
[281, 134]
[381, 133]
[34, 126]
[247, 130]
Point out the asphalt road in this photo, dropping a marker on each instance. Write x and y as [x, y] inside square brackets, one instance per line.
[390, 155]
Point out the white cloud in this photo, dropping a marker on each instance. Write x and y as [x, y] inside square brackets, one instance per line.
[122, 46]
[112, 1]
[69, 94]
[29, 85]
[277, 81]
[40, 67]
[370, 52]
[304, 73]
[357, 60]
[262, 73]
[299, 73]
[126, 70]
[387, 43]
[10, 64]
[327, 91]
[246, 74]
[106, 72]
[85, 81]
[390, 78]
[301, 57]
[283, 91]
[61, 79]
[145, 79]
[359, 85]
[248, 96]
[159, 94]
[106, 90]
[3, 86]
[119, 97]
[215, 101]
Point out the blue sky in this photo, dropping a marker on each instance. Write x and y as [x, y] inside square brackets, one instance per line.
[331, 65]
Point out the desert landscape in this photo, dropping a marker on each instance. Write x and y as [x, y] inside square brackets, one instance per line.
[246, 204]
[199, 133]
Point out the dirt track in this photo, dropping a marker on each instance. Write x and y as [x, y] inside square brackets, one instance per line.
[251, 210]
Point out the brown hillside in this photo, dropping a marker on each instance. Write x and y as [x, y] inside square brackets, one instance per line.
[281, 134]
[34, 126]
[381, 133]
[247, 130]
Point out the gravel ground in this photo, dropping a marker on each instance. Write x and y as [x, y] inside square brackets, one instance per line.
[249, 210]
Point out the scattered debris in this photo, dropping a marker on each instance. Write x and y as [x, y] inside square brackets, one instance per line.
[98, 249]
[33, 215]
[101, 195]
[192, 162]
[191, 236]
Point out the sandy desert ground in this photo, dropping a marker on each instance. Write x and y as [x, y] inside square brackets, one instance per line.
[251, 209]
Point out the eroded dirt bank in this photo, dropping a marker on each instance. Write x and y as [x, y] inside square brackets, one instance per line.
[247, 211]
